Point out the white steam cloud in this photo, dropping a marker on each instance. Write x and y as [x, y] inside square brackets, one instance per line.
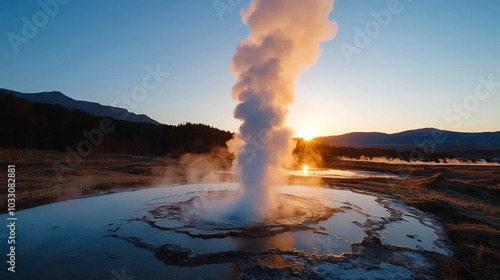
[283, 41]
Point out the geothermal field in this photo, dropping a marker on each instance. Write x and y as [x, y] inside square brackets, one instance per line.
[353, 220]
[285, 188]
[314, 233]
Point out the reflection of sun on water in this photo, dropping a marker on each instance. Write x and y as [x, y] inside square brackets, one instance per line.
[304, 169]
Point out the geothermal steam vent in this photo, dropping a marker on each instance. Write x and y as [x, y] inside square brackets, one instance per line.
[283, 41]
[258, 227]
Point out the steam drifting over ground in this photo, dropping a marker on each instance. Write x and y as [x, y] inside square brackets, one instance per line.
[445, 161]
[284, 40]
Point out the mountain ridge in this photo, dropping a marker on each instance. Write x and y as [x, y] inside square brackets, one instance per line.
[438, 139]
[59, 98]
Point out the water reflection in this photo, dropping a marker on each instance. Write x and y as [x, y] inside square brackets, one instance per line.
[338, 173]
[71, 243]
[283, 241]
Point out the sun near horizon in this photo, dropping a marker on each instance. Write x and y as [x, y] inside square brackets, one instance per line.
[306, 134]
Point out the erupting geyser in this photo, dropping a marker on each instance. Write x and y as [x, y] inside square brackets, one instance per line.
[283, 41]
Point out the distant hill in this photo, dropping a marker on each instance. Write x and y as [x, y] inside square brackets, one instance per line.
[33, 125]
[58, 98]
[409, 140]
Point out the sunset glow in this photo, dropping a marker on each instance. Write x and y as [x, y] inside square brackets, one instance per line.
[307, 134]
[258, 139]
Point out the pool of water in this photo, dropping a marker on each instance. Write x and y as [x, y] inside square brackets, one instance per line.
[343, 174]
[71, 239]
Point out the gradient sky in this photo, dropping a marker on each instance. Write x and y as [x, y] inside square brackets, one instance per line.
[426, 61]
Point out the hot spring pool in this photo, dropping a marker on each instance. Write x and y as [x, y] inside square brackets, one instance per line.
[114, 235]
[344, 174]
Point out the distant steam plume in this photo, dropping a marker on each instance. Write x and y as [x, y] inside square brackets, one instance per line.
[283, 41]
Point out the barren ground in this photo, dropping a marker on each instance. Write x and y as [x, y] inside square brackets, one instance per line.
[465, 198]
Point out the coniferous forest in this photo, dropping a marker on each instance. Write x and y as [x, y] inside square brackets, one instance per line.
[39, 126]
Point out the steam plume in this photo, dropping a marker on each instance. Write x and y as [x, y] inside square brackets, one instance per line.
[283, 41]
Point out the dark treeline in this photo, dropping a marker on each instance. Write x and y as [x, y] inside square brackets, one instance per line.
[29, 125]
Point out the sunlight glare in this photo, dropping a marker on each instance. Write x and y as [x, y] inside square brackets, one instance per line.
[307, 135]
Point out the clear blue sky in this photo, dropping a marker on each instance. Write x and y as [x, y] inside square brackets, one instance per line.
[423, 63]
